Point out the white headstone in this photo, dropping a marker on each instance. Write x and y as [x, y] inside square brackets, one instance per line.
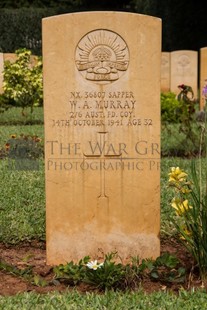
[184, 70]
[102, 134]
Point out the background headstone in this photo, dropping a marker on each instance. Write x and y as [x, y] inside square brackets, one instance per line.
[10, 57]
[203, 73]
[165, 72]
[102, 134]
[184, 70]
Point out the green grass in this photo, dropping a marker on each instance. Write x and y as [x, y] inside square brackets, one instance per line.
[108, 301]
[22, 204]
[14, 116]
[175, 143]
[22, 199]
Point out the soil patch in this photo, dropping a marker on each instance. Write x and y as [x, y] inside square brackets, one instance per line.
[33, 255]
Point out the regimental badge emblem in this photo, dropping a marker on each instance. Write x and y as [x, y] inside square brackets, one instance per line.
[102, 56]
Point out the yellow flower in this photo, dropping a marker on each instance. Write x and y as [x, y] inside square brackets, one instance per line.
[13, 136]
[186, 231]
[177, 175]
[180, 206]
[185, 190]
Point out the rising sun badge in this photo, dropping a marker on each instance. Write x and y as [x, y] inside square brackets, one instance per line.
[102, 56]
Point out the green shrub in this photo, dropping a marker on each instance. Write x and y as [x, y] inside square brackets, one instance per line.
[22, 28]
[22, 85]
[170, 107]
[180, 113]
[178, 109]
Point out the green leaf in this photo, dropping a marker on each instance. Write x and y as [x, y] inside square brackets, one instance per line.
[154, 275]
[38, 281]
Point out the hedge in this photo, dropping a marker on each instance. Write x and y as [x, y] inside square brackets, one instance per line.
[22, 28]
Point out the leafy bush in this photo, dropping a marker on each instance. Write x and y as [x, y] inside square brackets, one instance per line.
[22, 85]
[170, 107]
[178, 109]
[180, 113]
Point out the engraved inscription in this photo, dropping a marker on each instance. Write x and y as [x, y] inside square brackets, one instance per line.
[183, 65]
[102, 160]
[102, 56]
[102, 108]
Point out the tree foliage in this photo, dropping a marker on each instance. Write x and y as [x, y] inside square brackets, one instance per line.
[183, 22]
[22, 81]
[16, 4]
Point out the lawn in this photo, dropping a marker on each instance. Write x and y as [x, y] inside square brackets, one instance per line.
[22, 219]
[107, 301]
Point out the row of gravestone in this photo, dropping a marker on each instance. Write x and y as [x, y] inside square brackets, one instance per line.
[181, 67]
[178, 67]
